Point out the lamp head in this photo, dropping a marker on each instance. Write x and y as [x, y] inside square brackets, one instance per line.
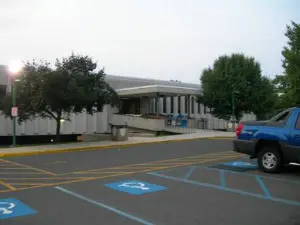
[15, 66]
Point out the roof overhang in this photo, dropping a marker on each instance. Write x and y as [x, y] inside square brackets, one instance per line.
[154, 90]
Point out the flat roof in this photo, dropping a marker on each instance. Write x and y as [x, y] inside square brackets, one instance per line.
[153, 90]
[150, 81]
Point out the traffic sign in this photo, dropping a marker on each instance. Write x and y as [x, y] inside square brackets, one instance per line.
[11, 207]
[135, 187]
[14, 111]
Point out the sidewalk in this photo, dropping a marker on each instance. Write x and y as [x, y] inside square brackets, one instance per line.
[97, 145]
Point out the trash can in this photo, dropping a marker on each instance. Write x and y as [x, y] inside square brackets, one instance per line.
[183, 123]
[119, 132]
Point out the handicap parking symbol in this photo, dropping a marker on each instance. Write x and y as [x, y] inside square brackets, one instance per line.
[11, 207]
[135, 187]
[241, 164]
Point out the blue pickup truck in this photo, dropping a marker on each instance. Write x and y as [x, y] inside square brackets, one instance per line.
[274, 142]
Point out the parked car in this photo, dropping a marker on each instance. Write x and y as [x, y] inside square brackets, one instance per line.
[274, 142]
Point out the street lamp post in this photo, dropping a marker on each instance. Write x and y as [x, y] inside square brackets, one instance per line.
[14, 69]
[14, 91]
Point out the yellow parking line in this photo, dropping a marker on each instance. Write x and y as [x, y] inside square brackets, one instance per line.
[104, 172]
[19, 173]
[9, 186]
[69, 180]
[115, 174]
[164, 163]
[9, 165]
[80, 180]
[29, 184]
[13, 168]
[30, 167]
[200, 160]
[144, 163]
[211, 155]
[123, 168]
[41, 178]
[54, 184]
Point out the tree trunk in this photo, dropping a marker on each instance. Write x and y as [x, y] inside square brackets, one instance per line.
[57, 138]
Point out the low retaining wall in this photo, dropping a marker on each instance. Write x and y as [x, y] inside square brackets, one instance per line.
[138, 122]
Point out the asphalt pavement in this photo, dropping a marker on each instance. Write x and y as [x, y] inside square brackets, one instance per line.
[191, 182]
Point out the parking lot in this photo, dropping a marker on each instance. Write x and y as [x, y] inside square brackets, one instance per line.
[191, 182]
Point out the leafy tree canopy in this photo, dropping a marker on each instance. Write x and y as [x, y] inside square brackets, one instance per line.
[288, 84]
[70, 87]
[236, 80]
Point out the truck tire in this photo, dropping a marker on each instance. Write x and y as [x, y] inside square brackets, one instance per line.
[269, 160]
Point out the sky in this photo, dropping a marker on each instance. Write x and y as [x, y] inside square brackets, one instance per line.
[161, 39]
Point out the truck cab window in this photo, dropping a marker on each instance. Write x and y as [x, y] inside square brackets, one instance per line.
[297, 126]
[282, 118]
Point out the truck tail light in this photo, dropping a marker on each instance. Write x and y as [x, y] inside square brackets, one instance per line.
[239, 129]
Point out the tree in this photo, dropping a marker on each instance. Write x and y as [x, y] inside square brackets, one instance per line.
[264, 101]
[234, 85]
[72, 86]
[288, 84]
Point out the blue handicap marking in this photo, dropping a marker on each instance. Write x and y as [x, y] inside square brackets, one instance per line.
[11, 207]
[241, 164]
[135, 187]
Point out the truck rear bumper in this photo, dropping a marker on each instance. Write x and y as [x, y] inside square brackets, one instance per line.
[244, 146]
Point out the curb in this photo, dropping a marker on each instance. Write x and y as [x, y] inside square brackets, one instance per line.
[103, 147]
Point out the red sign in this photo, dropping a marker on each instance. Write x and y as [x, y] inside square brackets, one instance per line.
[14, 111]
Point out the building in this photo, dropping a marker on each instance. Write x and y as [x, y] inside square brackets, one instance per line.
[147, 97]
[143, 96]
[4, 80]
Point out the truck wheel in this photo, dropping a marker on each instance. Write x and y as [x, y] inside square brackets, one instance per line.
[269, 160]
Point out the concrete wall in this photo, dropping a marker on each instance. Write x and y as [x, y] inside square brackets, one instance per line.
[139, 122]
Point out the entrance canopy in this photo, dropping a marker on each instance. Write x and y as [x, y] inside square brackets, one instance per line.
[154, 90]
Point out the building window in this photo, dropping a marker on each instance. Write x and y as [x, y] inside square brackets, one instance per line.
[199, 110]
[193, 105]
[164, 104]
[186, 99]
[172, 105]
[205, 110]
[179, 104]
[155, 105]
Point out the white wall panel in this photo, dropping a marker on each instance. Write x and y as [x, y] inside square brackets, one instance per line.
[79, 124]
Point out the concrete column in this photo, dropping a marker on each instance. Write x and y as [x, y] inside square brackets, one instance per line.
[157, 101]
[189, 106]
[149, 105]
